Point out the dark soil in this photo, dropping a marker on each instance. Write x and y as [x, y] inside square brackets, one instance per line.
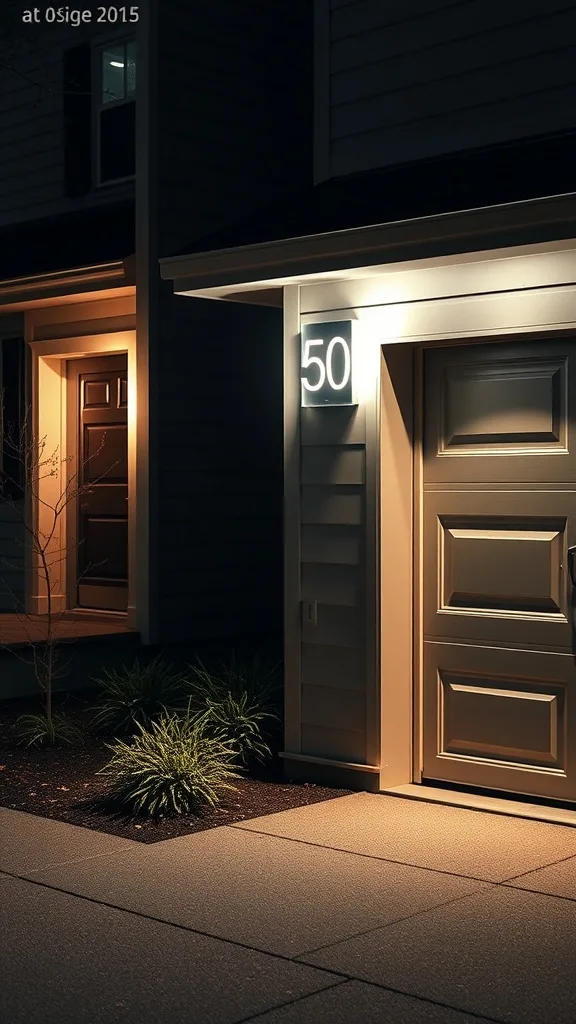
[61, 783]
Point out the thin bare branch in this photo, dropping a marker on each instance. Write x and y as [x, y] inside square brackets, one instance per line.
[45, 633]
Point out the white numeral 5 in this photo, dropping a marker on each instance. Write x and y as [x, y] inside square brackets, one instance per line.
[309, 360]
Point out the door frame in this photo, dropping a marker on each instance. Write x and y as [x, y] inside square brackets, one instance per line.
[400, 533]
[49, 404]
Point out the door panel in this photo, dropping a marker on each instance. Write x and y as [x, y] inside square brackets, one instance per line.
[494, 415]
[494, 572]
[498, 517]
[498, 718]
[98, 405]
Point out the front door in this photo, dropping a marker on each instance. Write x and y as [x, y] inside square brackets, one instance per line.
[98, 522]
[499, 518]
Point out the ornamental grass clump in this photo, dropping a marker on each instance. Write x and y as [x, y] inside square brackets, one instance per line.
[136, 695]
[241, 723]
[177, 766]
[242, 702]
[36, 730]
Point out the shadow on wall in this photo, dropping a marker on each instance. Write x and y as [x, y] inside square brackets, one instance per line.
[219, 471]
[90, 657]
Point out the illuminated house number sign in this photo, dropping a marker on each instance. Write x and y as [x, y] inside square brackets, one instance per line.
[326, 364]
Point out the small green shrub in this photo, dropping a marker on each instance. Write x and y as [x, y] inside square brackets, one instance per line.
[242, 701]
[178, 766]
[241, 724]
[34, 730]
[136, 695]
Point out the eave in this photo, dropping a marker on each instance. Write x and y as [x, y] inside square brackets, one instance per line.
[78, 284]
[241, 272]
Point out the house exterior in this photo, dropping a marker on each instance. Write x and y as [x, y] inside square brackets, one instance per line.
[108, 130]
[428, 288]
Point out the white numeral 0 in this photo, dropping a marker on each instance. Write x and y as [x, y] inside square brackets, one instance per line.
[325, 371]
[329, 374]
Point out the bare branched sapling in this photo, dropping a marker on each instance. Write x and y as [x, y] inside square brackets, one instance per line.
[43, 539]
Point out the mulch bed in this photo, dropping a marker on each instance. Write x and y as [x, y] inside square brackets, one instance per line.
[61, 783]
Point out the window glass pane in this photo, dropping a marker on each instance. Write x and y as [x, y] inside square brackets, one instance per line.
[131, 67]
[113, 69]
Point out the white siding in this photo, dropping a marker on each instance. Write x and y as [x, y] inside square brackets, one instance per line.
[32, 124]
[410, 79]
[332, 574]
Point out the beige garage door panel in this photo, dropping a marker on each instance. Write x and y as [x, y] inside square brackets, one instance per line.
[495, 566]
[502, 720]
[494, 413]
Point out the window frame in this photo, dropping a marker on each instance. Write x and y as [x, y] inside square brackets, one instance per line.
[99, 106]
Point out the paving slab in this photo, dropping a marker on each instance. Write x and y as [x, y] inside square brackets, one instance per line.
[473, 843]
[356, 1001]
[29, 842]
[68, 961]
[273, 894]
[556, 880]
[502, 953]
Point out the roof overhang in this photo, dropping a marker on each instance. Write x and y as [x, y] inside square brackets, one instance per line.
[79, 284]
[257, 273]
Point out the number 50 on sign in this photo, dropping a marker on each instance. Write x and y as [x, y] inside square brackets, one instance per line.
[326, 364]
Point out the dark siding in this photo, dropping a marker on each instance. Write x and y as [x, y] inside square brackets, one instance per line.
[410, 80]
[12, 534]
[234, 132]
[45, 132]
[12, 399]
[235, 107]
[219, 470]
[77, 111]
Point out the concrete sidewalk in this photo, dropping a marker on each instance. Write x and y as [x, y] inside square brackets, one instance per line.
[366, 909]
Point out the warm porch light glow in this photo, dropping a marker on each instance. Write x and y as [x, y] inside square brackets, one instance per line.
[49, 413]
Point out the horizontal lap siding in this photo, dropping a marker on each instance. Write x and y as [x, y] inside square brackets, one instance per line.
[32, 183]
[31, 126]
[11, 558]
[12, 534]
[415, 80]
[332, 516]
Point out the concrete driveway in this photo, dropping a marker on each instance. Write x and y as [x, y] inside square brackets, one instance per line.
[367, 908]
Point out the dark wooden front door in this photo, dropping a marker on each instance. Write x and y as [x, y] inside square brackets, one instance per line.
[98, 523]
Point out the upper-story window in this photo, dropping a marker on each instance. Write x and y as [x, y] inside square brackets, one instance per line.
[118, 72]
[116, 127]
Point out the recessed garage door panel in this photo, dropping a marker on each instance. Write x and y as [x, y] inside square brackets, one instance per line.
[495, 572]
[502, 719]
[495, 413]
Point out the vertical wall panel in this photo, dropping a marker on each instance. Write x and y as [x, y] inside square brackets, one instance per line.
[333, 580]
